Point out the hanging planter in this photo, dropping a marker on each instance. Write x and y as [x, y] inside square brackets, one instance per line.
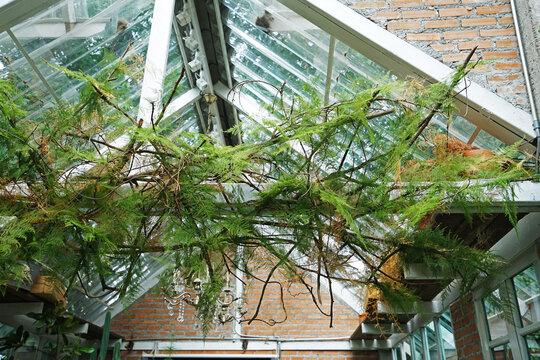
[49, 290]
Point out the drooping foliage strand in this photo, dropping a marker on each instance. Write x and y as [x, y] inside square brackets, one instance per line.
[318, 191]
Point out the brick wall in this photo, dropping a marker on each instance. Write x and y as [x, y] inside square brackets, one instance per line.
[465, 330]
[448, 30]
[148, 319]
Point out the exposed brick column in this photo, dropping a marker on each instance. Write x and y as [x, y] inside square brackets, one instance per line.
[448, 30]
[465, 330]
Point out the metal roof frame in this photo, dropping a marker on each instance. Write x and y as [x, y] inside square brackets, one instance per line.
[482, 107]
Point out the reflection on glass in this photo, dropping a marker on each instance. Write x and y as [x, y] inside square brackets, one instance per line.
[431, 338]
[533, 345]
[486, 141]
[502, 352]
[418, 347]
[494, 314]
[447, 336]
[528, 296]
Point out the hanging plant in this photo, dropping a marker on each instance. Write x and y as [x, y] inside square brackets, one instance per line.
[311, 188]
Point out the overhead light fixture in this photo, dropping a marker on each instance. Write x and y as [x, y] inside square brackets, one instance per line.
[191, 42]
[195, 64]
[184, 17]
[201, 82]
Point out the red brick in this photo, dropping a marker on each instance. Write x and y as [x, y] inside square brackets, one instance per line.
[506, 20]
[483, 21]
[496, 32]
[440, 2]
[403, 25]
[507, 66]
[370, 4]
[506, 43]
[460, 34]
[457, 57]
[386, 15]
[418, 14]
[406, 3]
[491, 55]
[449, 12]
[469, 45]
[487, 10]
[424, 37]
[442, 47]
[436, 24]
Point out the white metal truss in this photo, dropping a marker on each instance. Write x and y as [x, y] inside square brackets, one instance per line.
[479, 105]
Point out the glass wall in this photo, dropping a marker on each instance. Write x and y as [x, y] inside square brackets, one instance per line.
[511, 315]
[435, 341]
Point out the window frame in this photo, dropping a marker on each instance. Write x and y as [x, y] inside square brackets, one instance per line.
[516, 333]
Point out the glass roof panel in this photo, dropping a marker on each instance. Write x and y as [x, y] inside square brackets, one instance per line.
[287, 55]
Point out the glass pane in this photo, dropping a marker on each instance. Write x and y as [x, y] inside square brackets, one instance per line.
[494, 315]
[407, 348]
[397, 353]
[533, 344]
[527, 293]
[431, 338]
[447, 336]
[418, 346]
[502, 352]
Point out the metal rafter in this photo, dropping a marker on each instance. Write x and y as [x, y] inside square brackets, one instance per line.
[481, 107]
[213, 109]
[225, 54]
[156, 61]
[33, 65]
[191, 81]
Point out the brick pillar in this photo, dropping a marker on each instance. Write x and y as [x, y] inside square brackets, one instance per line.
[465, 330]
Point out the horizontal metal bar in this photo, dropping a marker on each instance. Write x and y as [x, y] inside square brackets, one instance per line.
[182, 102]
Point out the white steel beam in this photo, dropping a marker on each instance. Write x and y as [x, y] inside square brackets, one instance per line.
[480, 106]
[183, 54]
[526, 198]
[13, 12]
[145, 285]
[263, 344]
[156, 61]
[182, 102]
